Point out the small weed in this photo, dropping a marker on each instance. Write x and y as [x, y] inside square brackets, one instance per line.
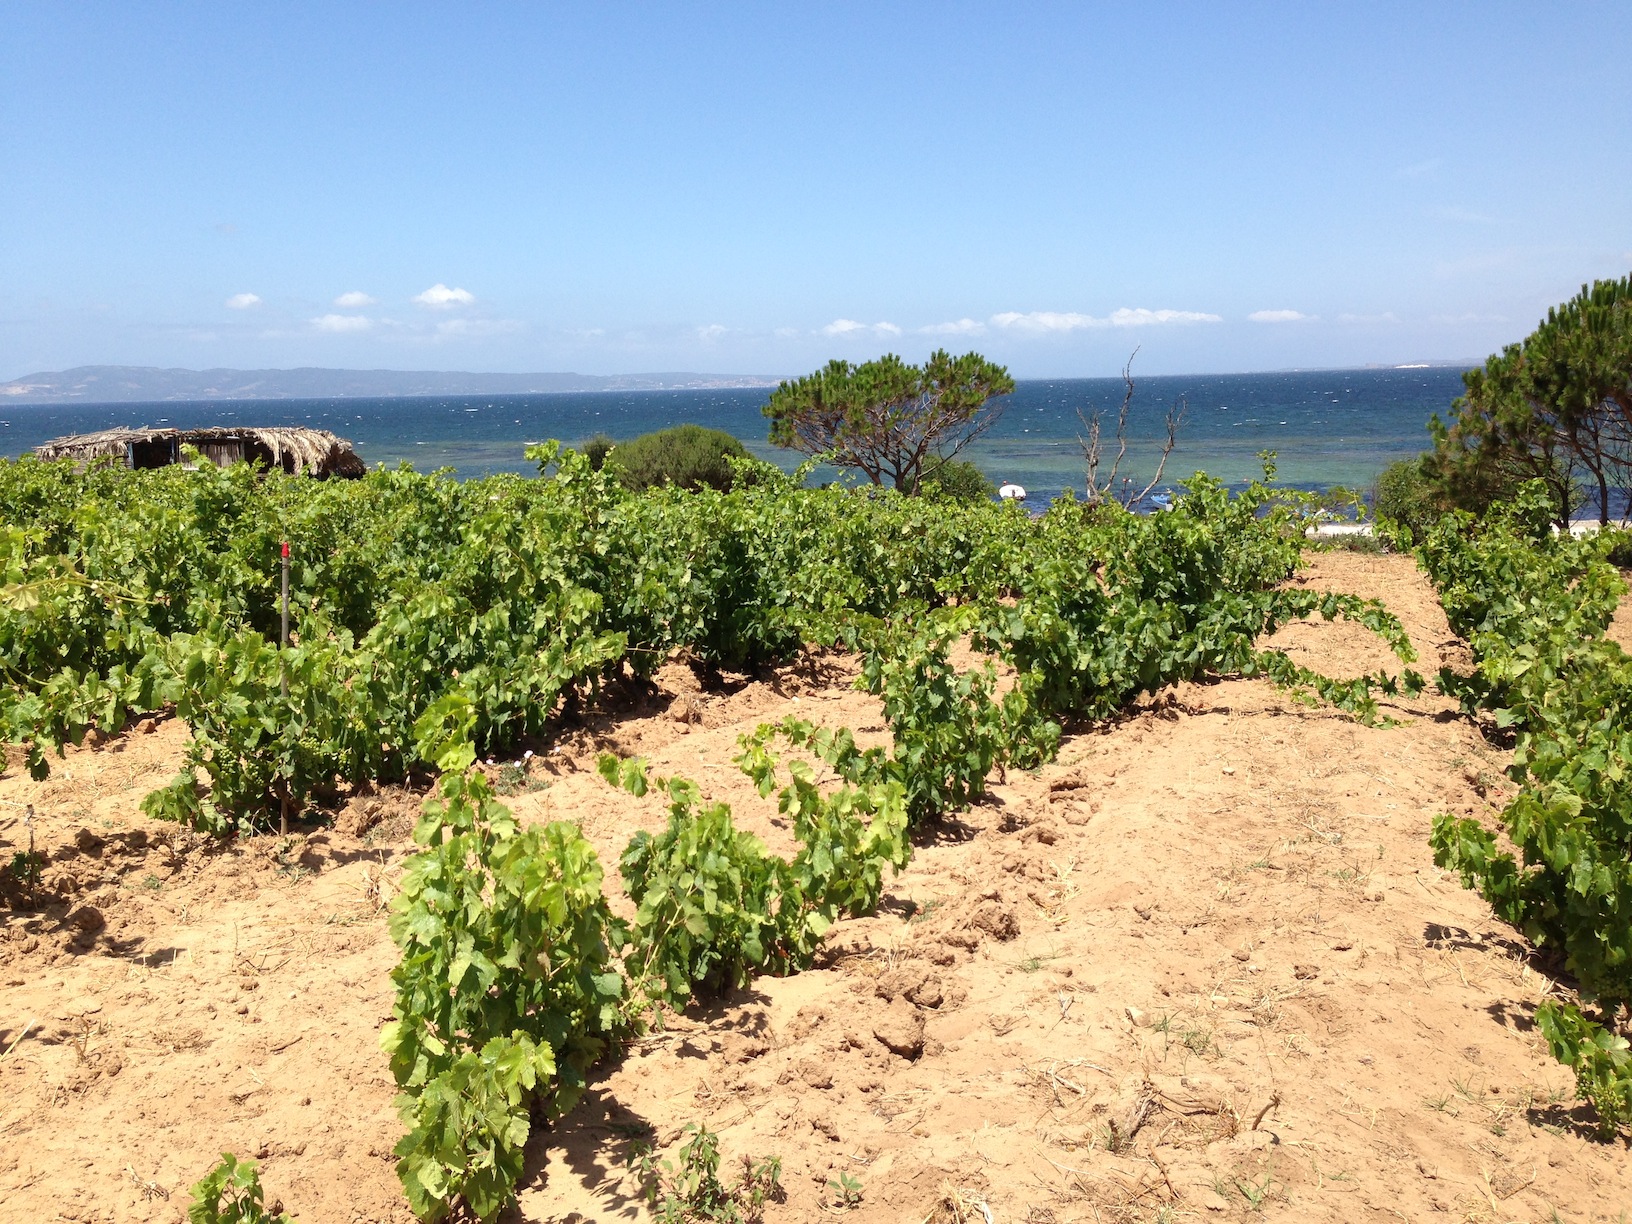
[844, 1191]
[923, 912]
[1033, 963]
[1440, 1104]
[1256, 1193]
[25, 868]
[152, 883]
[514, 779]
[289, 868]
[1197, 1041]
[689, 1189]
[230, 1193]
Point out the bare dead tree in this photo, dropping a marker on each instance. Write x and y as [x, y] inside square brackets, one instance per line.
[1108, 490]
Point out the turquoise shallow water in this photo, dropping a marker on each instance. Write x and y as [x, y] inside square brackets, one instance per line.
[1328, 427]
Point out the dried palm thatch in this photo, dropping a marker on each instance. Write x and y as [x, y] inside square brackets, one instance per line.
[313, 451]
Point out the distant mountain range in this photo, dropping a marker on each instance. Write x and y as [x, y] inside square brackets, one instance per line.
[149, 384]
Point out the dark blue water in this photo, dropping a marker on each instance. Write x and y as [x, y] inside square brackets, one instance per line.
[1329, 427]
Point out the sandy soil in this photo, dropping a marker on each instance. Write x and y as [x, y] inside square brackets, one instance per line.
[1202, 967]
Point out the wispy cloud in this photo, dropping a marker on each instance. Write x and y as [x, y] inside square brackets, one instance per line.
[1145, 318]
[1387, 316]
[712, 331]
[440, 297]
[958, 327]
[1280, 316]
[1043, 322]
[243, 301]
[355, 300]
[476, 327]
[1457, 320]
[342, 323]
[1420, 169]
[1046, 321]
[847, 327]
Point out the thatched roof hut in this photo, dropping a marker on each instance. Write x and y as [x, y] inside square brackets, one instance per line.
[313, 451]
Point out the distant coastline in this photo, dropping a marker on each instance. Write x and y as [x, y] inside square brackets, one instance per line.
[155, 385]
[110, 384]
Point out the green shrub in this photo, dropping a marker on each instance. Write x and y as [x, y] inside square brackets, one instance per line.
[1405, 494]
[596, 450]
[1620, 548]
[960, 480]
[687, 455]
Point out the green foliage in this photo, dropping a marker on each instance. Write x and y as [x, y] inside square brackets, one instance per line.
[1153, 600]
[845, 1191]
[24, 867]
[958, 479]
[1619, 552]
[948, 729]
[688, 1189]
[1407, 496]
[1534, 608]
[709, 898]
[686, 456]
[847, 836]
[597, 449]
[506, 993]
[1555, 407]
[889, 419]
[1603, 1068]
[231, 1193]
[468, 1128]
[713, 905]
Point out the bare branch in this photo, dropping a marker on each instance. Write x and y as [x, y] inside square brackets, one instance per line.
[1114, 485]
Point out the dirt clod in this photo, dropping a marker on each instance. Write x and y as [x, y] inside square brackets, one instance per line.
[900, 1029]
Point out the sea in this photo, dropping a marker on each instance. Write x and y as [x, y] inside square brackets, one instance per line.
[1327, 427]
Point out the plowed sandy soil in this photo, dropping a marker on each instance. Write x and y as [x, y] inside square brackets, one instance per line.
[1200, 968]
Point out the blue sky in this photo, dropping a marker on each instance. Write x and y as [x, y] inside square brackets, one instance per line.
[757, 188]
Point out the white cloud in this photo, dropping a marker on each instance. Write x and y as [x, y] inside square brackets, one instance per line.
[846, 327]
[1279, 316]
[243, 301]
[712, 332]
[1143, 318]
[1045, 321]
[1388, 316]
[959, 327]
[441, 297]
[353, 300]
[1448, 320]
[342, 323]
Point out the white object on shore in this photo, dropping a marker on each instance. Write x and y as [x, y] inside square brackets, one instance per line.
[1011, 492]
[1578, 529]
